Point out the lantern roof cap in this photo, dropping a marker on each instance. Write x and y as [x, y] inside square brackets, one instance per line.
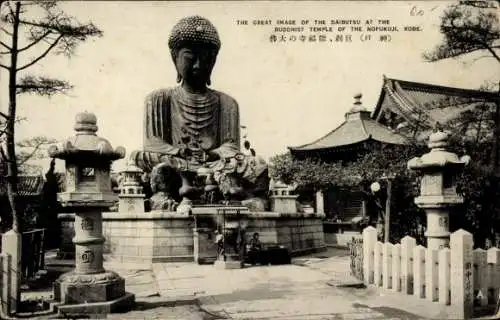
[131, 168]
[85, 142]
[439, 156]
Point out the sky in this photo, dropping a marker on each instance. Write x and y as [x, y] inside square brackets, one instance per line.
[289, 93]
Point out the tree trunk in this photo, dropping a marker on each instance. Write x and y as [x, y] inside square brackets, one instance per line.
[12, 176]
[496, 137]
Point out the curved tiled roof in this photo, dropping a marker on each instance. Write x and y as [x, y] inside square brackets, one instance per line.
[27, 185]
[358, 127]
[427, 104]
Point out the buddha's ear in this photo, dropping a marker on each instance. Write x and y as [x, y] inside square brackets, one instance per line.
[208, 81]
[179, 77]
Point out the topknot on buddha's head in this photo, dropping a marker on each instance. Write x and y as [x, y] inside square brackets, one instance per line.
[194, 30]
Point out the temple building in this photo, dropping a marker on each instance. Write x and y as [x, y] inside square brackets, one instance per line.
[30, 192]
[357, 133]
[405, 112]
[413, 108]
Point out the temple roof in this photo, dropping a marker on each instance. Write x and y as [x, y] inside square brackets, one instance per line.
[358, 127]
[27, 185]
[426, 104]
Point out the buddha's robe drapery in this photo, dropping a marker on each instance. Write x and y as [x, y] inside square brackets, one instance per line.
[212, 122]
[215, 126]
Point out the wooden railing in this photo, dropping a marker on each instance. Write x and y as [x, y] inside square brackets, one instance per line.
[356, 253]
[33, 253]
[458, 276]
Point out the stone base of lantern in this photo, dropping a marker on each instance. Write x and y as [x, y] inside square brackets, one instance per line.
[99, 293]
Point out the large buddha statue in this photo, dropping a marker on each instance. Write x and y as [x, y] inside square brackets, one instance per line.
[192, 132]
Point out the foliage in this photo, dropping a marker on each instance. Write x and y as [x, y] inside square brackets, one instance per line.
[473, 27]
[375, 164]
[479, 184]
[468, 27]
[34, 29]
[367, 167]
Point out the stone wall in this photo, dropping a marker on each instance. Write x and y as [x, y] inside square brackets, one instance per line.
[148, 237]
[300, 232]
[157, 236]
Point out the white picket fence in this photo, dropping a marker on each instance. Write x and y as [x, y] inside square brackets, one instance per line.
[5, 283]
[453, 276]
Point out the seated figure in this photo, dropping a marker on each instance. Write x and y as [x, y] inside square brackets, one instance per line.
[254, 250]
[192, 132]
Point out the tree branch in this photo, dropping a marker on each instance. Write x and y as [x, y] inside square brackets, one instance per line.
[42, 86]
[41, 56]
[29, 155]
[4, 67]
[5, 46]
[34, 42]
[493, 53]
[6, 31]
[4, 115]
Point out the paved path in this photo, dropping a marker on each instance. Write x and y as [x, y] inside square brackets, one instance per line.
[305, 290]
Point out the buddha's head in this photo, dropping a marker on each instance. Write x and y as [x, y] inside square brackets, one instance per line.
[194, 44]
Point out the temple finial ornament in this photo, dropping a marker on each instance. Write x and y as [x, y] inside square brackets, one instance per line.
[358, 105]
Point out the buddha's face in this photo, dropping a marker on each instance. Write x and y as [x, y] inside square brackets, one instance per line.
[194, 64]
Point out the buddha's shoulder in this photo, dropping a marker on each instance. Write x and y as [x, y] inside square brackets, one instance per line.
[159, 93]
[226, 100]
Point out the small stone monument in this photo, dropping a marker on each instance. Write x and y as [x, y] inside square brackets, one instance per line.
[282, 199]
[438, 193]
[88, 289]
[131, 194]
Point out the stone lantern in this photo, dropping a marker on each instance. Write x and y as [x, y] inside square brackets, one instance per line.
[439, 169]
[131, 193]
[88, 288]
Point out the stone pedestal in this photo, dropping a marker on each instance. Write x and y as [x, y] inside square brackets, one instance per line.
[131, 203]
[89, 287]
[99, 293]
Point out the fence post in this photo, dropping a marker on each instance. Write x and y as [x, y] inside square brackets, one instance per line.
[5, 281]
[396, 267]
[407, 245]
[377, 253]
[12, 245]
[387, 265]
[419, 271]
[369, 240]
[480, 276]
[493, 260]
[461, 258]
[444, 276]
[431, 272]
